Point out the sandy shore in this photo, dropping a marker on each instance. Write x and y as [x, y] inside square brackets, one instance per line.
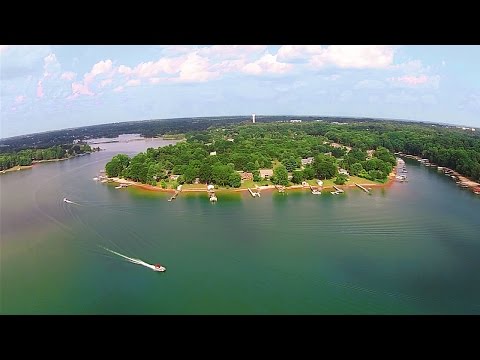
[16, 168]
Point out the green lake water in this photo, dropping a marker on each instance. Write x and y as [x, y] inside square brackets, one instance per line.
[413, 248]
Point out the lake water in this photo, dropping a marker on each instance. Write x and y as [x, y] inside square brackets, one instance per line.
[413, 248]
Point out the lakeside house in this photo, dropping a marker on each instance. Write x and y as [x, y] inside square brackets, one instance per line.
[246, 175]
[295, 121]
[213, 153]
[230, 139]
[370, 154]
[210, 187]
[343, 171]
[266, 173]
[174, 177]
[307, 161]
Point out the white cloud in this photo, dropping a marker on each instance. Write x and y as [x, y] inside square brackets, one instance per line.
[354, 56]
[267, 64]
[101, 67]
[68, 75]
[51, 66]
[118, 89]
[105, 82]
[196, 68]
[231, 51]
[295, 53]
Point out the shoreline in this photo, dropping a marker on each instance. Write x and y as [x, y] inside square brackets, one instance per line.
[16, 168]
[35, 162]
[117, 180]
[462, 180]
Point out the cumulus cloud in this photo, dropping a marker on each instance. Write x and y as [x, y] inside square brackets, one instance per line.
[196, 68]
[105, 82]
[80, 89]
[342, 56]
[50, 65]
[231, 51]
[267, 64]
[298, 53]
[68, 75]
[354, 56]
[118, 89]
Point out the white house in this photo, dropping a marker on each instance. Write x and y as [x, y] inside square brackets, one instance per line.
[210, 187]
[213, 153]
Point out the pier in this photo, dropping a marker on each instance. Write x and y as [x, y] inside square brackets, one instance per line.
[254, 194]
[281, 189]
[314, 190]
[174, 195]
[340, 191]
[364, 189]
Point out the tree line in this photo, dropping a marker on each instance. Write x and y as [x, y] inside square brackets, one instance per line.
[26, 157]
[217, 155]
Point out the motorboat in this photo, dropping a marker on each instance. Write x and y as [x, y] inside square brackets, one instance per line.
[158, 267]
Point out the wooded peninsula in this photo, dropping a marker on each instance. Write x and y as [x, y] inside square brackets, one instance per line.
[287, 151]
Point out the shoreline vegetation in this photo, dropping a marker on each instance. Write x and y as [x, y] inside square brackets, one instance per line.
[202, 188]
[252, 158]
[283, 155]
[26, 158]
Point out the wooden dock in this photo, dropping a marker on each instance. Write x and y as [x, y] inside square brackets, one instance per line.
[281, 189]
[254, 194]
[174, 195]
[364, 189]
[340, 191]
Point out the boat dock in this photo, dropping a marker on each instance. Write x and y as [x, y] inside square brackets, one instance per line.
[254, 194]
[174, 195]
[340, 191]
[363, 188]
[281, 189]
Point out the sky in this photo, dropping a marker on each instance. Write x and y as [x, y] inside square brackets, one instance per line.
[48, 87]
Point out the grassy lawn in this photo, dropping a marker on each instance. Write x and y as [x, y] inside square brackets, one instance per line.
[353, 179]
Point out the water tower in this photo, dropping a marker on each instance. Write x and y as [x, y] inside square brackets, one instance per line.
[253, 118]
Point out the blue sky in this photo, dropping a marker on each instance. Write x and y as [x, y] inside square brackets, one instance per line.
[54, 87]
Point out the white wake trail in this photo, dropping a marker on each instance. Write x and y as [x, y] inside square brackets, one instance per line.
[137, 261]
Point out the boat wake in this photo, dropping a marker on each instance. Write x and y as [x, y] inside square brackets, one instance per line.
[69, 201]
[156, 267]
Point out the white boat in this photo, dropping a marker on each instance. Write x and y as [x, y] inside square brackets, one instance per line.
[95, 179]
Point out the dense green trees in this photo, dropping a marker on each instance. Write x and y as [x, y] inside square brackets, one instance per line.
[341, 179]
[325, 166]
[280, 175]
[261, 145]
[26, 157]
